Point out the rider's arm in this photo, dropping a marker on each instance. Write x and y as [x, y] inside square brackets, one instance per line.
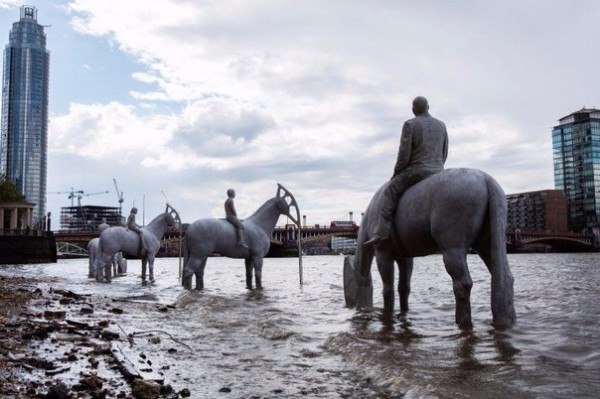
[405, 149]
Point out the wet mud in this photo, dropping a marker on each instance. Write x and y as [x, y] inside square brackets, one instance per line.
[59, 344]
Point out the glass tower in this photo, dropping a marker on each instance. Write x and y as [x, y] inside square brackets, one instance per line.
[24, 141]
[576, 153]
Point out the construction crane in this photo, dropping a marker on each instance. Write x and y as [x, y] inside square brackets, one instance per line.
[77, 194]
[119, 195]
[87, 195]
[72, 194]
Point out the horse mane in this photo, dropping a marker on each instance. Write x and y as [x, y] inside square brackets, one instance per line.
[261, 209]
[155, 220]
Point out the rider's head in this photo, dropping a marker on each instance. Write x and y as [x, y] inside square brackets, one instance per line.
[420, 105]
[231, 193]
[134, 210]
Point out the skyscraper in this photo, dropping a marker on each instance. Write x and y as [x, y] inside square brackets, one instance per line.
[576, 153]
[24, 141]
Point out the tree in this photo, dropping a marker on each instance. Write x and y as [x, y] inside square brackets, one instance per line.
[8, 191]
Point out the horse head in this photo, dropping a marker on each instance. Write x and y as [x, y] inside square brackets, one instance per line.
[172, 217]
[287, 201]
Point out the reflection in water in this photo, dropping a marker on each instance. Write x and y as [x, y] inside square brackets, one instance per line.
[287, 341]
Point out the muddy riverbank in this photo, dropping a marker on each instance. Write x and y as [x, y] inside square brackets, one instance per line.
[60, 344]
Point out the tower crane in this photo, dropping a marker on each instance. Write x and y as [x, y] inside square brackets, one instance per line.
[119, 195]
[87, 195]
[72, 194]
[77, 194]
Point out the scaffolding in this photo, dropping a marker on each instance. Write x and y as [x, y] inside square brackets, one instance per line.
[88, 217]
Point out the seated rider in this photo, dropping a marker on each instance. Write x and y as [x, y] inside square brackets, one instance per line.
[132, 225]
[231, 216]
[423, 152]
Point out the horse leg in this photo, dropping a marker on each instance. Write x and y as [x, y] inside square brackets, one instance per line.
[114, 265]
[455, 261]
[258, 262]
[200, 274]
[92, 264]
[189, 269]
[99, 271]
[405, 269]
[144, 262]
[107, 271]
[503, 308]
[151, 268]
[248, 264]
[385, 264]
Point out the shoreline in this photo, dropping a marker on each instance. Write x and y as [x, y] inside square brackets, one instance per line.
[62, 344]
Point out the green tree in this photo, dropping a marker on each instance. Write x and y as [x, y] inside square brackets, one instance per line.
[8, 191]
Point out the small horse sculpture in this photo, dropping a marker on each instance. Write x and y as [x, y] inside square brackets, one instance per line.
[449, 212]
[118, 238]
[207, 236]
[119, 264]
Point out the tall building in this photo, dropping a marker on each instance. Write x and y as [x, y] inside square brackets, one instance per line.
[24, 141]
[576, 153]
[539, 211]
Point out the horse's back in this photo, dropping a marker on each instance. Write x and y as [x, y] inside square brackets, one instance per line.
[211, 235]
[206, 234]
[116, 238]
[443, 211]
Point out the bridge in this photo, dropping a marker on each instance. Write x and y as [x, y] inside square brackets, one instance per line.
[318, 239]
[559, 241]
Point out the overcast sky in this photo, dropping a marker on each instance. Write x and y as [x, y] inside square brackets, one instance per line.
[190, 98]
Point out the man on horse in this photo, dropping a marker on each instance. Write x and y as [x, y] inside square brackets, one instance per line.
[132, 225]
[231, 216]
[422, 153]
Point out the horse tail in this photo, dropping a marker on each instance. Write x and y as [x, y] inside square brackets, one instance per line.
[503, 309]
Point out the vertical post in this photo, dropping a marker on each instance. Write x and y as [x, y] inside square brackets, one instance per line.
[180, 245]
[300, 254]
[13, 218]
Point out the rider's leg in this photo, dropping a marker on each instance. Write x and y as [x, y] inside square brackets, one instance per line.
[389, 201]
[240, 237]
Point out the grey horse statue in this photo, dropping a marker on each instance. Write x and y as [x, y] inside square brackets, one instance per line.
[119, 264]
[207, 236]
[450, 213]
[118, 238]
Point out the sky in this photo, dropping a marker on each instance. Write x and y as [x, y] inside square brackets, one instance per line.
[180, 100]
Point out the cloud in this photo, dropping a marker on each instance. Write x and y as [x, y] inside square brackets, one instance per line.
[108, 131]
[314, 94]
[9, 3]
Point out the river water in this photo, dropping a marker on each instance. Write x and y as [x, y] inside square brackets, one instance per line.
[292, 341]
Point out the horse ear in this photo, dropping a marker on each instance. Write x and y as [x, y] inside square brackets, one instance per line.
[279, 189]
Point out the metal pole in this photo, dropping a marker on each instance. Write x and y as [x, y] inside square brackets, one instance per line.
[300, 254]
[180, 244]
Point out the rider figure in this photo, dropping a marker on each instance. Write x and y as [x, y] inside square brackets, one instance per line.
[103, 226]
[231, 216]
[423, 152]
[132, 225]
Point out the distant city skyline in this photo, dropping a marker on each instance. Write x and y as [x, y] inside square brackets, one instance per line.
[24, 140]
[192, 98]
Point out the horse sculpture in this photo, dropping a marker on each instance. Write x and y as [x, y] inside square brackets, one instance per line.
[118, 238]
[119, 264]
[207, 236]
[448, 213]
